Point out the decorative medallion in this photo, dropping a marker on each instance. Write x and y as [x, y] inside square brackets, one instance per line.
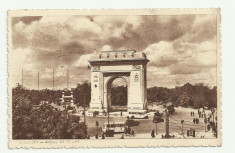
[95, 78]
[136, 79]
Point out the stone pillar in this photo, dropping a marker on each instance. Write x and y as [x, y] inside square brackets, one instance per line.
[96, 91]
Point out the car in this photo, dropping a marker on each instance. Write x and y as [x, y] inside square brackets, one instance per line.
[131, 123]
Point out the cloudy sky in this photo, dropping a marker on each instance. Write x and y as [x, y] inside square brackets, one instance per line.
[181, 49]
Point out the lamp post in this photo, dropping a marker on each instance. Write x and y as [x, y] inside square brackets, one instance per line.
[182, 122]
[97, 124]
[205, 121]
[84, 113]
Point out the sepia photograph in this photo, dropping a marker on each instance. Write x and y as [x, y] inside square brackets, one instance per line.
[115, 78]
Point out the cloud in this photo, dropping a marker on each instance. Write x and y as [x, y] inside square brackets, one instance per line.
[83, 60]
[26, 19]
[182, 45]
[161, 54]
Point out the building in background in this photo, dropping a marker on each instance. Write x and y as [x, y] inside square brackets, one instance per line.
[67, 98]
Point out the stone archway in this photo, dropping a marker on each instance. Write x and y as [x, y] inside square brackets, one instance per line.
[109, 65]
[108, 102]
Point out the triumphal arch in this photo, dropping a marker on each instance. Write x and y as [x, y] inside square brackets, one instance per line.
[129, 65]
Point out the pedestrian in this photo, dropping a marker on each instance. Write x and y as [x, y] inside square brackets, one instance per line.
[103, 137]
[198, 111]
[122, 137]
[125, 130]
[187, 133]
[194, 120]
[208, 127]
[194, 133]
[129, 130]
[152, 134]
[197, 120]
[133, 132]
[191, 113]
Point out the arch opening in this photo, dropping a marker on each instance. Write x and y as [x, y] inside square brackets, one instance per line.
[117, 94]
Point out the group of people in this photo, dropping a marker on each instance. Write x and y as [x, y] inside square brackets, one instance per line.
[129, 131]
[192, 113]
[191, 132]
[196, 121]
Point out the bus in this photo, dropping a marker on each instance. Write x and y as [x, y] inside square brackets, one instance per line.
[138, 114]
[117, 127]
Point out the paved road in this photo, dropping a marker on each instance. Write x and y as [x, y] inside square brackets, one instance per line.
[146, 125]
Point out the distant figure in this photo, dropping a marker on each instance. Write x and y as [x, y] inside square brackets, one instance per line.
[199, 115]
[194, 120]
[197, 120]
[126, 130]
[187, 133]
[208, 127]
[194, 133]
[133, 132]
[198, 111]
[193, 113]
[129, 130]
[153, 134]
[121, 113]
[122, 137]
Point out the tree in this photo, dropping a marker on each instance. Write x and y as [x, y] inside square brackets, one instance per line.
[81, 89]
[44, 122]
[119, 95]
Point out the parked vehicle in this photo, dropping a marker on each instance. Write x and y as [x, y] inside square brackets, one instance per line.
[131, 123]
[117, 127]
[138, 114]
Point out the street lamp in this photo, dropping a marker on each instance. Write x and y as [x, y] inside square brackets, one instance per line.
[97, 124]
[205, 121]
[182, 122]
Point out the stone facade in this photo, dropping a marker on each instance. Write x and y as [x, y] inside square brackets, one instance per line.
[67, 100]
[129, 65]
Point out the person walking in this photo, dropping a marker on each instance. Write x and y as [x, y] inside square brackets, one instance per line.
[194, 120]
[133, 133]
[197, 120]
[129, 130]
[194, 133]
[153, 134]
[191, 113]
[208, 127]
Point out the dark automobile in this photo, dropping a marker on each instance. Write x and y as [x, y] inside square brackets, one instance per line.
[131, 123]
[157, 119]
